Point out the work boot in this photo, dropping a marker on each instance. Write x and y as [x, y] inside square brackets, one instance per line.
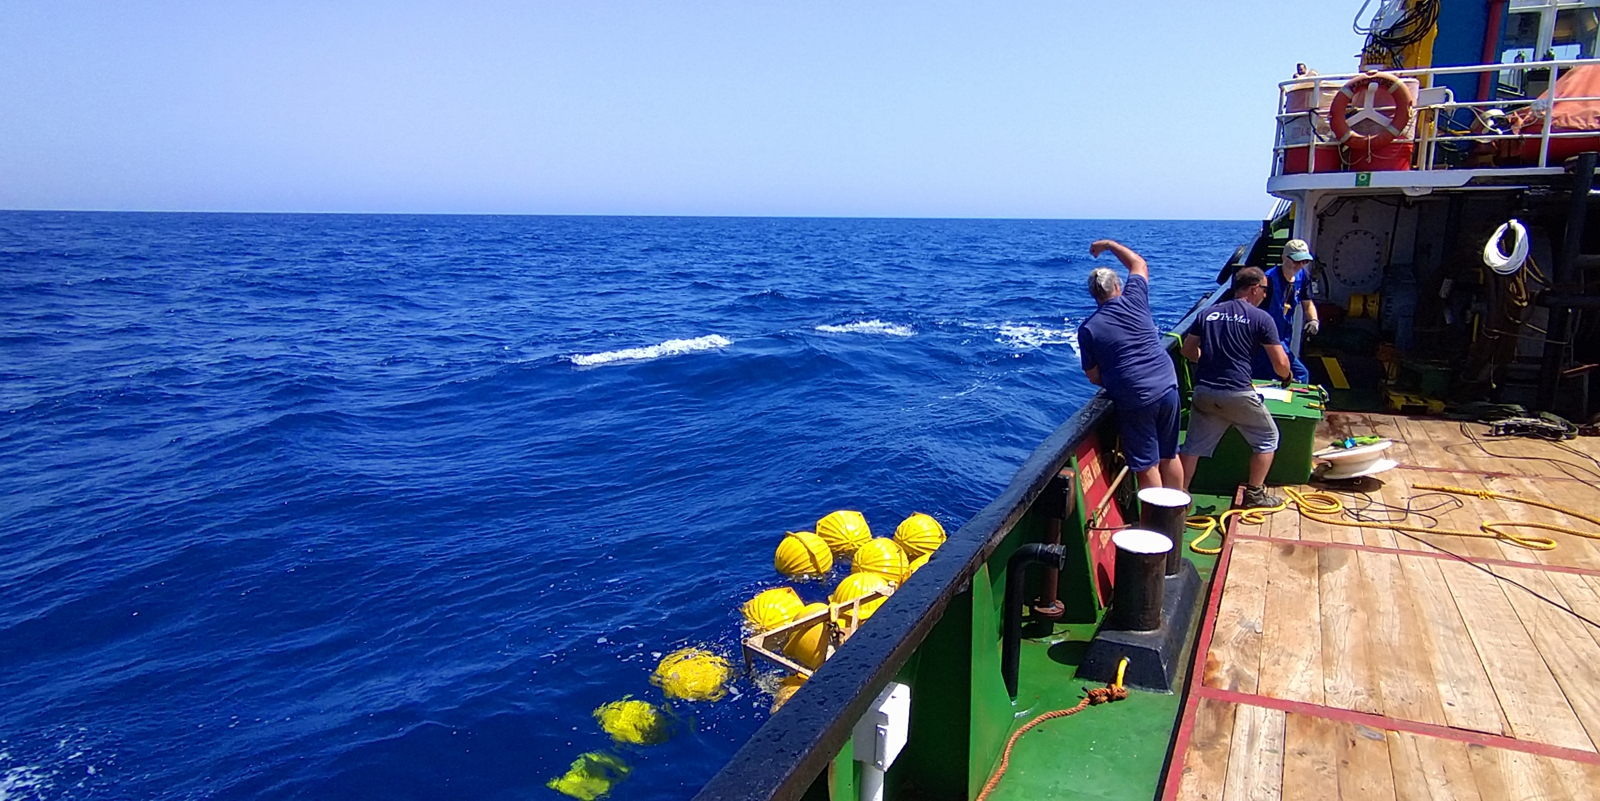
[1257, 498]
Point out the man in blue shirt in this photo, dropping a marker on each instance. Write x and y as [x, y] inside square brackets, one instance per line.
[1224, 339]
[1121, 351]
[1288, 286]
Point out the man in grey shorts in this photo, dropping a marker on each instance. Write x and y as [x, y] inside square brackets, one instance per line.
[1223, 341]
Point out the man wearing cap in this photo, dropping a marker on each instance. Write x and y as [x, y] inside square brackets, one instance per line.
[1121, 351]
[1223, 340]
[1289, 285]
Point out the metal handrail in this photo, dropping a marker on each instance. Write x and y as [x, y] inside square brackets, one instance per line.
[1426, 137]
[795, 745]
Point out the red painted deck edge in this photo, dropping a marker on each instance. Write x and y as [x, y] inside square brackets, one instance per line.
[1398, 724]
[1477, 560]
[1197, 669]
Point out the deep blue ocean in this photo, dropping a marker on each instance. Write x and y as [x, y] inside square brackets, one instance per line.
[383, 507]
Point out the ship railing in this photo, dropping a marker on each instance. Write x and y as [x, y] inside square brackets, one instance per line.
[795, 746]
[1432, 120]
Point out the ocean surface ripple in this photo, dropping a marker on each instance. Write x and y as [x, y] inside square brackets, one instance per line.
[343, 506]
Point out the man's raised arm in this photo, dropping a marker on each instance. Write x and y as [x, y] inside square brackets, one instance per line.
[1133, 261]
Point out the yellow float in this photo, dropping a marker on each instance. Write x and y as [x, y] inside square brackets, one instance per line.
[919, 535]
[860, 585]
[634, 722]
[844, 531]
[693, 674]
[786, 690]
[803, 553]
[772, 608]
[809, 645]
[917, 563]
[883, 557]
[590, 776]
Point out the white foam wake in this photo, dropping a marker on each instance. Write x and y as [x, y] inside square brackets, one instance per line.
[1037, 336]
[869, 327]
[672, 347]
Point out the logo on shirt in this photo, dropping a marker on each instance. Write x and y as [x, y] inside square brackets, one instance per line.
[1226, 317]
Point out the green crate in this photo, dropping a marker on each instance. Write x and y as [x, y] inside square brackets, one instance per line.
[1297, 421]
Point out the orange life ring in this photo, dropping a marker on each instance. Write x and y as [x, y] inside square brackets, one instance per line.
[1381, 89]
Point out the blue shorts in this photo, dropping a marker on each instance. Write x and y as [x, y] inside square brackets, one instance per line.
[1150, 432]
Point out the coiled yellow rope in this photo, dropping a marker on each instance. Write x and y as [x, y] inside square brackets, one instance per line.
[1322, 506]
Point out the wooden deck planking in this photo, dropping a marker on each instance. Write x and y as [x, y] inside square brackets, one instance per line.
[1310, 758]
[1234, 662]
[1466, 696]
[1529, 694]
[1422, 640]
[1244, 751]
[1513, 774]
[1564, 641]
[1464, 518]
[1571, 550]
[1365, 770]
[1431, 769]
[1406, 686]
[1291, 650]
[1582, 598]
[1205, 767]
[1255, 765]
[1348, 678]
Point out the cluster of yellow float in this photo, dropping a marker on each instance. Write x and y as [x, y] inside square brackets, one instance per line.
[687, 674]
[695, 674]
[877, 567]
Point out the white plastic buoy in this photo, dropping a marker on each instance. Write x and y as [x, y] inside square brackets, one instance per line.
[1362, 460]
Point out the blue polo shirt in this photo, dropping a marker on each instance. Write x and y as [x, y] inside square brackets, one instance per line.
[1283, 296]
[1121, 339]
[1230, 334]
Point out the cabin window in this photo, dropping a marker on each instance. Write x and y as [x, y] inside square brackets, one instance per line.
[1574, 35]
[1545, 30]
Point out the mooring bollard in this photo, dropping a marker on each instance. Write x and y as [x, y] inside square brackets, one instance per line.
[1141, 562]
[1166, 511]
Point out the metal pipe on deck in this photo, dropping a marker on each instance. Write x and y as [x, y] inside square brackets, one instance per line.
[1032, 553]
[1058, 502]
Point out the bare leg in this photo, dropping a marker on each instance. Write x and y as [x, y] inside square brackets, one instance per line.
[1188, 462]
[1260, 463]
[1150, 477]
[1172, 473]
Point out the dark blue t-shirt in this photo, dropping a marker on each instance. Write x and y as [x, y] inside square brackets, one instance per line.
[1121, 339]
[1230, 332]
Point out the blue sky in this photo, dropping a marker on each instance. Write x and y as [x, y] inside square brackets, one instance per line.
[1001, 109]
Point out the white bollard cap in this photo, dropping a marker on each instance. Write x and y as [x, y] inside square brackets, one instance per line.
[1138, 540]
[1165, 496]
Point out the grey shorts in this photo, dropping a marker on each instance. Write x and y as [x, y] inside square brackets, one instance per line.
[1213, 410]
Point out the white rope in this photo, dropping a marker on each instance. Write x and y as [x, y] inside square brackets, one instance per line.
[1496, 259]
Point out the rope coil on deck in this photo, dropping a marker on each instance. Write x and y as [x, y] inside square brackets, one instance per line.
[1322, 506]
[1093, 697]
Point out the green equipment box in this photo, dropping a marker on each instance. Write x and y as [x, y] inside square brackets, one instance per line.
[1297, 420]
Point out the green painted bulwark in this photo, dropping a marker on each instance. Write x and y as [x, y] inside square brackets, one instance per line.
[934, 763]
[991, 707]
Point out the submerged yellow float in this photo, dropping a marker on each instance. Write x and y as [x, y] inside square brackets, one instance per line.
[693, 674]
[809, 645]
[590, 776]
[860, 585]
[634, 722]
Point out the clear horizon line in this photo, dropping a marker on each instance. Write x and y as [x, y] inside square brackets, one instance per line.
[660, 215]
